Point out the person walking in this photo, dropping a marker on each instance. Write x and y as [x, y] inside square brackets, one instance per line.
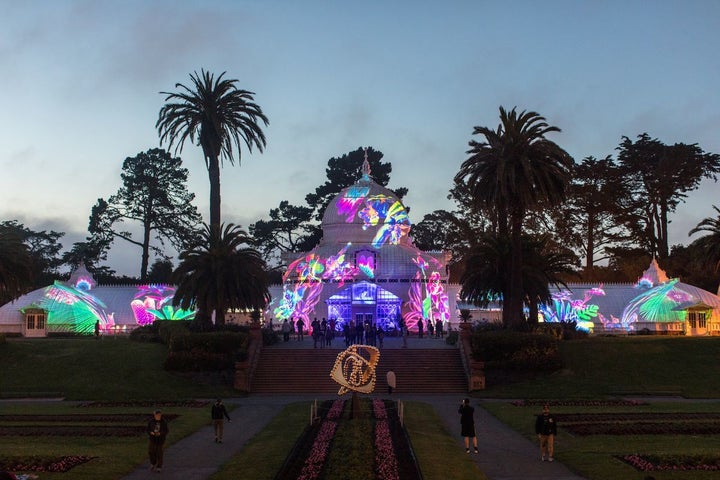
[218, 413]
[546, 430]
[390, 377]
[157, 430]
[467, 425]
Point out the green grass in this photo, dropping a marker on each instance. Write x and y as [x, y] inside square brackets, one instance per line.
[435, 448]
[89, 369]
[592, 456]
[602, 366]
[265, 453]
[117, 456]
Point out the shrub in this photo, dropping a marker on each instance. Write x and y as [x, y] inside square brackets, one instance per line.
[452, 337]
[214, 342]
[197, 360]
[2, 338]
[516, 350]
[146, 333]
[270, 337]
[167, 329]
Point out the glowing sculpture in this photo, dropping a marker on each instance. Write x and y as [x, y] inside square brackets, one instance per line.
[354, 369]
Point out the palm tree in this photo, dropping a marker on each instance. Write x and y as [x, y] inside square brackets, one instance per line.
[221, 273]
[710, 243]
[15, 267]
[546, 263]
[514, 170]
[220, 116]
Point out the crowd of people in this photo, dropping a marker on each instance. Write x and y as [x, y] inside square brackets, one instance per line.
[323, 331]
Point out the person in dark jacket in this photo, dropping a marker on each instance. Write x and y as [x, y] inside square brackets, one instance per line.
[219, 414]
[546, 430]
[157, 430]
[467, 425]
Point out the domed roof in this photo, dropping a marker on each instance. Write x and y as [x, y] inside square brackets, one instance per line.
[367, 213]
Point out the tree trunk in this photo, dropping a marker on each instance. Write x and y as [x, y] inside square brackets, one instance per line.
[515, 302]
[147, 228]
[214, 174]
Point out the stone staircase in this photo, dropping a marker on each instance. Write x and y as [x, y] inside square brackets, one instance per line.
[308, 371]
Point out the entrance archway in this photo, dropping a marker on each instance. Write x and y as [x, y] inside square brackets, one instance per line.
[366, 302]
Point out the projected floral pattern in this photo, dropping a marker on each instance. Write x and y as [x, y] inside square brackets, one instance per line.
[565, 308]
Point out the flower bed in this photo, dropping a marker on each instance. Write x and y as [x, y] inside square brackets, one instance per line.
[649, 428]
[42, 464]
[147, 404]
[578, 403]
[646, 463]
[386, 464]
[393, 456]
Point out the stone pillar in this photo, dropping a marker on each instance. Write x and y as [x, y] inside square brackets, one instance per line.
[245, 369]
[476, 370]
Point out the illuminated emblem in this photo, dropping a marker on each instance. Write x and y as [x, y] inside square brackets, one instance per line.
[354, 369]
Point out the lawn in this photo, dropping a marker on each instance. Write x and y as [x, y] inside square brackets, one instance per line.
[601, 366]
[593, 456]
[90, 369]
[117, 369]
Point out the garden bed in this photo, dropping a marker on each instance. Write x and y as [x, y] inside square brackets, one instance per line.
[42, 464]
[648, 463]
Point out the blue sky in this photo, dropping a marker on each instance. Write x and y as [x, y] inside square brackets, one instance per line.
[81, 82]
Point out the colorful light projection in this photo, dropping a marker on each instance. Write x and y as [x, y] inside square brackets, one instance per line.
[76, 308]
[350, 203]
[395, 221]
[154, 302]
[426, 297]
[657, 305]
[365, 261]
[566, 309]
[308, 273]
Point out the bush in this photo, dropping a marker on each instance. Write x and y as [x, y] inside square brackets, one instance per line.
[516, 350]
[168, 329]
[452, 337]
[214, 342]
[197, 360]
[146, 333]
[2, 338]
[270, 337]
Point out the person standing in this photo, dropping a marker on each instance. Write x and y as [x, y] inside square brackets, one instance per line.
[420, 328]
[546, 430]
[300, 325]
[315, 325]
[218, 413]
[157, 430]
[467, 425]
[430, 328]
[286, 328]
[390, 381]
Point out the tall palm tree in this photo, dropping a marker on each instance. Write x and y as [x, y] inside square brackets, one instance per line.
[220, 116]
[15, 267]
[514, 170]
[710, 243]
[221, 272]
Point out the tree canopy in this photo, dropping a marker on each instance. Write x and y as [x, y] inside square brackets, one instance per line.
[154, 194]
[220, 116]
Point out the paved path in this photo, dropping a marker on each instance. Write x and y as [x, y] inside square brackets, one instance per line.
[504, 454]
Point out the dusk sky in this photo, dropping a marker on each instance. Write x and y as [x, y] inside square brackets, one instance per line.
[81, 82]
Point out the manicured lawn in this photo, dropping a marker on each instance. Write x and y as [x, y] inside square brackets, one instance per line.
[434, 446]
[89, 369]
[593, 456]
[601, 366]
[116, 456]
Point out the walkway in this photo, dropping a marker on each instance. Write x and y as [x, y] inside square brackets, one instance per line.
[504, 454]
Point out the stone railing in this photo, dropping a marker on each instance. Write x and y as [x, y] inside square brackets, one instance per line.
[245, 369]
[475, 370]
